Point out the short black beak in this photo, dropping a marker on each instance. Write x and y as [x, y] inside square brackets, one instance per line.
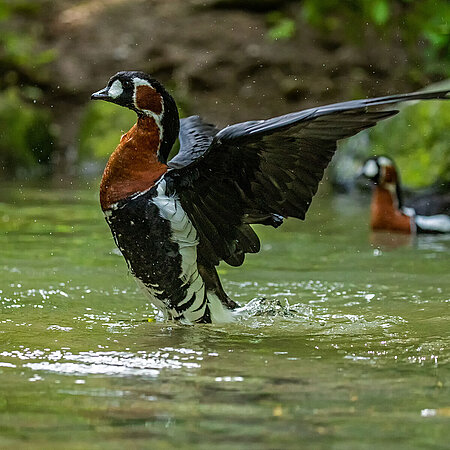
[101, 95]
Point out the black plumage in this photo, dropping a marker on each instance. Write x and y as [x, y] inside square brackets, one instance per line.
[262, 171]
[153, 258]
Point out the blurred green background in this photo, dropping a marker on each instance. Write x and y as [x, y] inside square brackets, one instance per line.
[227, 60]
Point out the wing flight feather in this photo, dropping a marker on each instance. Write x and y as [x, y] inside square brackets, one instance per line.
[262, 171]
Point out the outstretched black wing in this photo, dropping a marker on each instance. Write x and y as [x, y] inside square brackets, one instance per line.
[262, 171]
[195, 138]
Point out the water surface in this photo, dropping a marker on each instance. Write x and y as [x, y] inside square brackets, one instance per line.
[345, 344]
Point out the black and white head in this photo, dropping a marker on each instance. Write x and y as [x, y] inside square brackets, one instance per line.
[147, 97]
[379, 169]
[382, 171]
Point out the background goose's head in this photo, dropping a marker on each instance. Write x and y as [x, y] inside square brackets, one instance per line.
[380, 170]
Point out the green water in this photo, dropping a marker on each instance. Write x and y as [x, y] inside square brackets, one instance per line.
[359, 361]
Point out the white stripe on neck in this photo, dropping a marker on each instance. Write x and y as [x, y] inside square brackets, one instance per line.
[148, 113]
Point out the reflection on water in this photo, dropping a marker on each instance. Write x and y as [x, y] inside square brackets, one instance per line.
[336, 341]
[391, 241]
[437, 243]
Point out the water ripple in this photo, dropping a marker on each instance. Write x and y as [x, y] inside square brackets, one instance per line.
[107, 362]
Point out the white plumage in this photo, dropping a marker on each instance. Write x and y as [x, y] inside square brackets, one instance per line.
[185, 235]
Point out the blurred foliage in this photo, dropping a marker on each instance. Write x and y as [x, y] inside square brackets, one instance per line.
[327, 14]
[101, 128]
[424, 20]
[25, 127]
[25, 137]
[417, 139]
[280, 26]
[19, 38]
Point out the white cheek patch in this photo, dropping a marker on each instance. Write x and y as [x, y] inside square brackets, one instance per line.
[383, 161]
[116, 89]
[370, 169]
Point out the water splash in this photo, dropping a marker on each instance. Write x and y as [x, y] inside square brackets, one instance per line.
[266, 307]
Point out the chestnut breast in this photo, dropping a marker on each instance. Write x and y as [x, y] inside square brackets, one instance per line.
[134, 165]
[385, 215]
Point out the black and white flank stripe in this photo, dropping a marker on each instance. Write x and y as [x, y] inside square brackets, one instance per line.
[159, 243]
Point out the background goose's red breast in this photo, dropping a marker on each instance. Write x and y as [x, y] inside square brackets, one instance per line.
[385, 215]
[134, 165]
